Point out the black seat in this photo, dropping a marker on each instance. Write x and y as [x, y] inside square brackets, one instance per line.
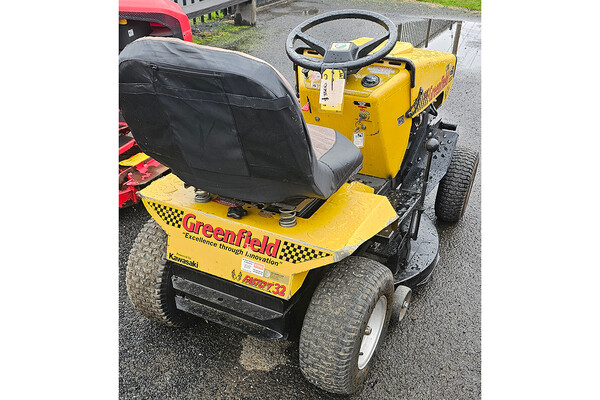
[228, 123]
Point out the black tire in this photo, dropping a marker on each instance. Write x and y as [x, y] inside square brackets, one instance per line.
[455, 187]
[148, 278]
[335, 323]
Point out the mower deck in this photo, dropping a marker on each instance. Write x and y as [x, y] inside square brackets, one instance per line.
[421, 254]
[423, 257]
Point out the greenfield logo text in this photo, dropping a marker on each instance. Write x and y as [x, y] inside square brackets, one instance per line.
[243, 238]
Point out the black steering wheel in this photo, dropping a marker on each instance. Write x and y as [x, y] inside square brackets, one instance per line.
[344, 56]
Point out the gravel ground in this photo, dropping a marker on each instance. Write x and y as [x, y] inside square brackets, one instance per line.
[435, 353]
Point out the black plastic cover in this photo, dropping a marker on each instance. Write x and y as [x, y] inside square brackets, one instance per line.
[161, 18]
[225, 122]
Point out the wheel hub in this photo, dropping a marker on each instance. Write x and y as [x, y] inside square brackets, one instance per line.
[372, 332]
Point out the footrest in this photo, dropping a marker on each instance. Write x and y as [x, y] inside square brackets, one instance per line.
[403, 202]
[439, 163]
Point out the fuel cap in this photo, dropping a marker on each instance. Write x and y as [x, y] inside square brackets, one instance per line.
[370, 81]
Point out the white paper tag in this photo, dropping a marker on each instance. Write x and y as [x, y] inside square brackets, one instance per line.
[336, 95]
[359, 139]
[130, 32]
[331, 95]
[253, 267]
[326, 86]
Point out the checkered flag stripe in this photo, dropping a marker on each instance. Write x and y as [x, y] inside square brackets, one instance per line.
[170, 215]
[295, 253]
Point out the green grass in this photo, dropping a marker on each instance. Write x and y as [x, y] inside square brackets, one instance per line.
[470, 4]
[222, 34]
[214, 16]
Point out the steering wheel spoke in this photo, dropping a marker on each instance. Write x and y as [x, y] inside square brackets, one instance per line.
[313, 43]
[368, 47]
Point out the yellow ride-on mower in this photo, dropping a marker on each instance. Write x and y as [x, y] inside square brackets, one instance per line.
[293, 219]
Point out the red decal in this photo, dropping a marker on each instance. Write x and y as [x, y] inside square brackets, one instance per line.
[278, 290]
[207, 231]
[218, 234]
[239, 236]
[186, 226]
[242, 238]
[255, 244]
[272, 248]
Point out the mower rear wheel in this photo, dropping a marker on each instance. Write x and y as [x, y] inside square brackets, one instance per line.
[345, 324]
[148, 278]
[455, 187]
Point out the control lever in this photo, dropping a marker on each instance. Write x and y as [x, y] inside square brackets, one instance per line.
[432, 145]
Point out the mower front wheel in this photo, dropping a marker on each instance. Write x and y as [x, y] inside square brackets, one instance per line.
[455, 187]
[345, 324]
[402, 296]
[148, 278]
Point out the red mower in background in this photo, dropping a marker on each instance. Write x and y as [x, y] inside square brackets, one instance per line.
[139, 18]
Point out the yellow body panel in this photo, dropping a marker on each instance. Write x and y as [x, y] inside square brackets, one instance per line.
[256, 251]
[383, 135]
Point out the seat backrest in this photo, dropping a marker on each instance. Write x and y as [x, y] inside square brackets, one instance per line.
[223, 121]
